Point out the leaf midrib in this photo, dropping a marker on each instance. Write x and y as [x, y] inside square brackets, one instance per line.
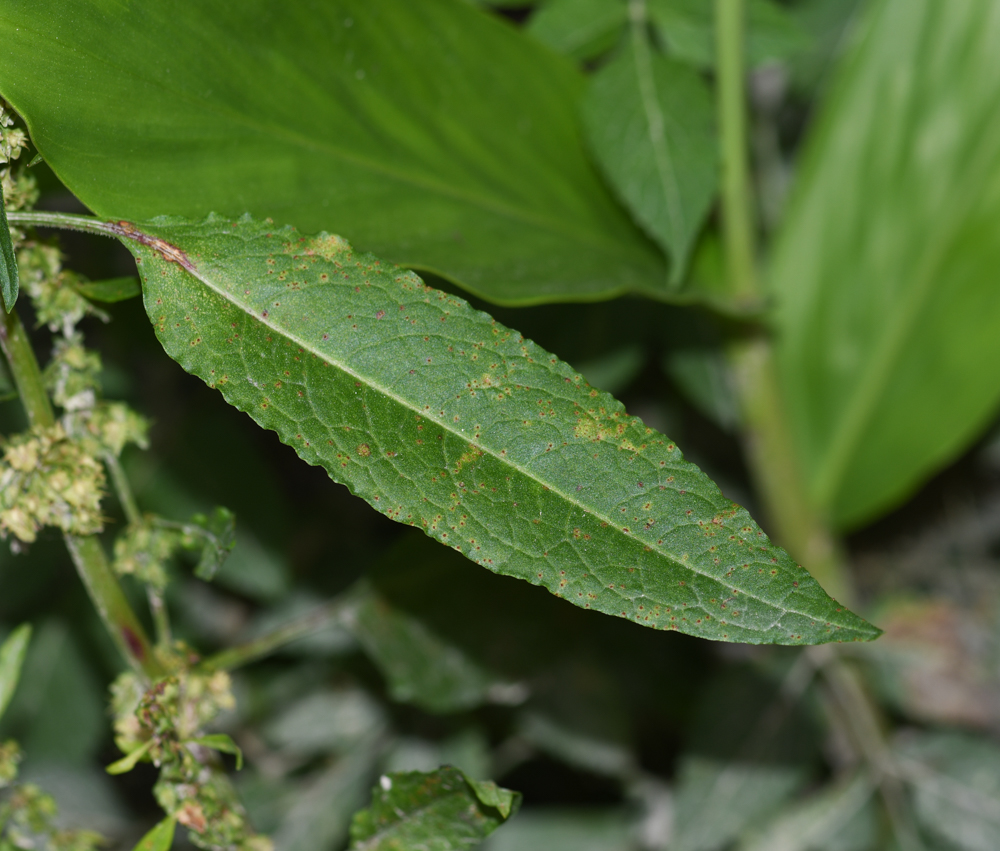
[403, 402]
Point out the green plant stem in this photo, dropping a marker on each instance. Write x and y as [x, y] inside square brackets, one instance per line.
[769, 441]
[64, 221]
[243, 654]
[86, 552]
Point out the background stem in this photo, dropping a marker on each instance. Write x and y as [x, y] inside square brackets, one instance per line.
[769, 443]
[87, 554]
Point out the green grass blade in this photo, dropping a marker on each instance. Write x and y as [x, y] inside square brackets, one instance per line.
[443, 419]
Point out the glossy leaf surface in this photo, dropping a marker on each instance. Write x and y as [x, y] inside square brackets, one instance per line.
[886, 272]
[386, 121]
[440, 811]
[443, 419]
[649, 123]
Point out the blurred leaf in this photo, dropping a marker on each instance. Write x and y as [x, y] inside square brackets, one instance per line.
[329, 720]
[443, 444]
[58, 711]
[614, 371]
[581, 29]
[828, 24]
[468, 750]
[703, 375]
[222, 743]
[549, 829]
[751, 749]
[130, 760]
[885, 273]
[956, 785]
[12, 653]
[387, 122]
[111, 290]
[839, 817]
[936, 661]
[219, 540]
[320, 815]
[160, 838]
[439, 811]
[649, 121]
[420, 667]
[577, 714]
[9, 283]
[688, 29]
[7, 389]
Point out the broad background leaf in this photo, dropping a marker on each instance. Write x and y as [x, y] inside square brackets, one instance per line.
[649, 121]
[439, 810]
[886, 270]
[387, 121]
[444, 419]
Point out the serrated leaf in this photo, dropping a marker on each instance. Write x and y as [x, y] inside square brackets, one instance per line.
[11, 659]
[649, 122]
[160, 838]
[885, 270]
[582, 29]
[109, 291]
[222, 743]
[432, 132]
[687, 28]
[443, 419]
[439, 811]
[9, 282]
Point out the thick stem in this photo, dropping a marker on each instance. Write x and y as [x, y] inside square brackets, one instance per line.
[87, 554]
[769, 441]
[64, 221]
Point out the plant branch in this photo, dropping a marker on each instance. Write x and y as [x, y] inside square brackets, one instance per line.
[87, 554]
[265, 645]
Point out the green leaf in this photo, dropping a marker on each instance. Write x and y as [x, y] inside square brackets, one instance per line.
[9, 283]
[160, 838]
[581, 29]
[219, 536]
[885, 272]
[439, 811]
[749, 753]
[130, 760]
[432, 133]
[11, 659]
[420, 667]
[687, 28]
[566, 829]
[839, 817]
[443, 419]
[223, 743]
[956, 784]
[649, 121]
[111, 290]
